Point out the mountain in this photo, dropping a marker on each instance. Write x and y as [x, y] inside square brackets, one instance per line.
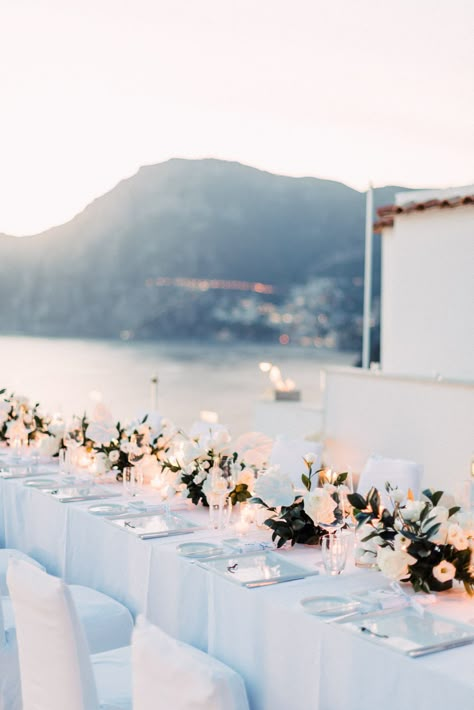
[183, 219]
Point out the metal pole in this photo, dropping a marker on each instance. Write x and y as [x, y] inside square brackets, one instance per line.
[367, 278]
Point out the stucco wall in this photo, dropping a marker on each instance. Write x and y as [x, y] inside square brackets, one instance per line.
[428, 293]
[401, 417]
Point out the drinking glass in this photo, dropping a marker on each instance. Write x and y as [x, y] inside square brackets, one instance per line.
[220, 509]
[334, 549]
[132, 480]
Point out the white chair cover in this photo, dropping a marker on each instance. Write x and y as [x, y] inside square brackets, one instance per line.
[5, 555]
[398, 472]
[289, 453]
[10, 691]
[169, 675]
[107, 623]
[56, 670]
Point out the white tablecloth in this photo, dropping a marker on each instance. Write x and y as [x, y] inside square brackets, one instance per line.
[287, 658]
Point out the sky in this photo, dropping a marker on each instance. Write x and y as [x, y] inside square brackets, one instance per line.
[351, 90]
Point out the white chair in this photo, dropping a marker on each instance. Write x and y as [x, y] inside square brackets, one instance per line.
[399, 473]
[10, 692]
[57, 672]
[5, 555]
[169, 675]
[289, 453]
[108, 624]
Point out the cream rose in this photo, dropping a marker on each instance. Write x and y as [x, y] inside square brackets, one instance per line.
[444, 572]
[274, 488]
[394, 563]
[320, 506]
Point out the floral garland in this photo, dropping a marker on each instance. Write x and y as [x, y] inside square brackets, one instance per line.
[419, 541]
[19, 420]
[300, 518]
[206, 464]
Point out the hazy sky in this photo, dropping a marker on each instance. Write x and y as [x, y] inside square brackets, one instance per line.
[345, 89]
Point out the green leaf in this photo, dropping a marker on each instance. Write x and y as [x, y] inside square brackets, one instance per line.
[306, 482]
[357, 501]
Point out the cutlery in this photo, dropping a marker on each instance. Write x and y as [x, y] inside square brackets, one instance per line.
[442, 646]
[166, 533]
[270, 582]
[366, 630]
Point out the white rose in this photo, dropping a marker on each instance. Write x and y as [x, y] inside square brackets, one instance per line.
[320, 506]
[456, 537]
[246, 477]
[401, 542]
[100, 433]
[220, 441]
[274, 488]
[412, 510]
[310, 458]
[49, 445]
[394, 563]
[190, 451]
[397, 495]
[16, 430]
[125, 446]
[444, 572]
[114, 456]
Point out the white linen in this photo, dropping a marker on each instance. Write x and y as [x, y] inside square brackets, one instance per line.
[289, 454]
[249, 630]
[401, 474]
[169, 674]
[113, 678]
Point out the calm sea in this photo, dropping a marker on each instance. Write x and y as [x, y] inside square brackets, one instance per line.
[68, 376]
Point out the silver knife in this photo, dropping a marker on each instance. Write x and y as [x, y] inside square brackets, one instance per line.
[442, 646]
[270, 582]
[171, 533]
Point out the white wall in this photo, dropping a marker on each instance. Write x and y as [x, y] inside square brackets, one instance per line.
[423, 420]
[428, 293]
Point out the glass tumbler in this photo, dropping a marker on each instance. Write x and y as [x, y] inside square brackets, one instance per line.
[334, 548]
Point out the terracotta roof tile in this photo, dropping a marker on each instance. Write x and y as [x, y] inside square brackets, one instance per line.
[387, 213]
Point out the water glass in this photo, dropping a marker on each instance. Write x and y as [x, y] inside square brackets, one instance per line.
[220, 509]
[334, 549]
[132, 479]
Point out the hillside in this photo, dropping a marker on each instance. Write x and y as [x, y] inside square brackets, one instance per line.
[188, 219]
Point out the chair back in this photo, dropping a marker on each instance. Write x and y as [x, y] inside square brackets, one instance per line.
[169, 674]
[289, 454]
[55, 666]
[399, 473]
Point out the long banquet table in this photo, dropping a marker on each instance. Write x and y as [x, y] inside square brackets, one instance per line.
[288, 659]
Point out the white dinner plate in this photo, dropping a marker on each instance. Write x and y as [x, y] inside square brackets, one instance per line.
[41, 483]
[329, 605]
[198, 549]
[107, 509]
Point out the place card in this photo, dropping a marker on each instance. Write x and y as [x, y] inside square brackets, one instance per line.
[148, 527]
[79, 493]
[255, 569]
[405, 631]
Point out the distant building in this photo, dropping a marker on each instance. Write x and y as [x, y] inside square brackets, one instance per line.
[419, 404]
[427, 315]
